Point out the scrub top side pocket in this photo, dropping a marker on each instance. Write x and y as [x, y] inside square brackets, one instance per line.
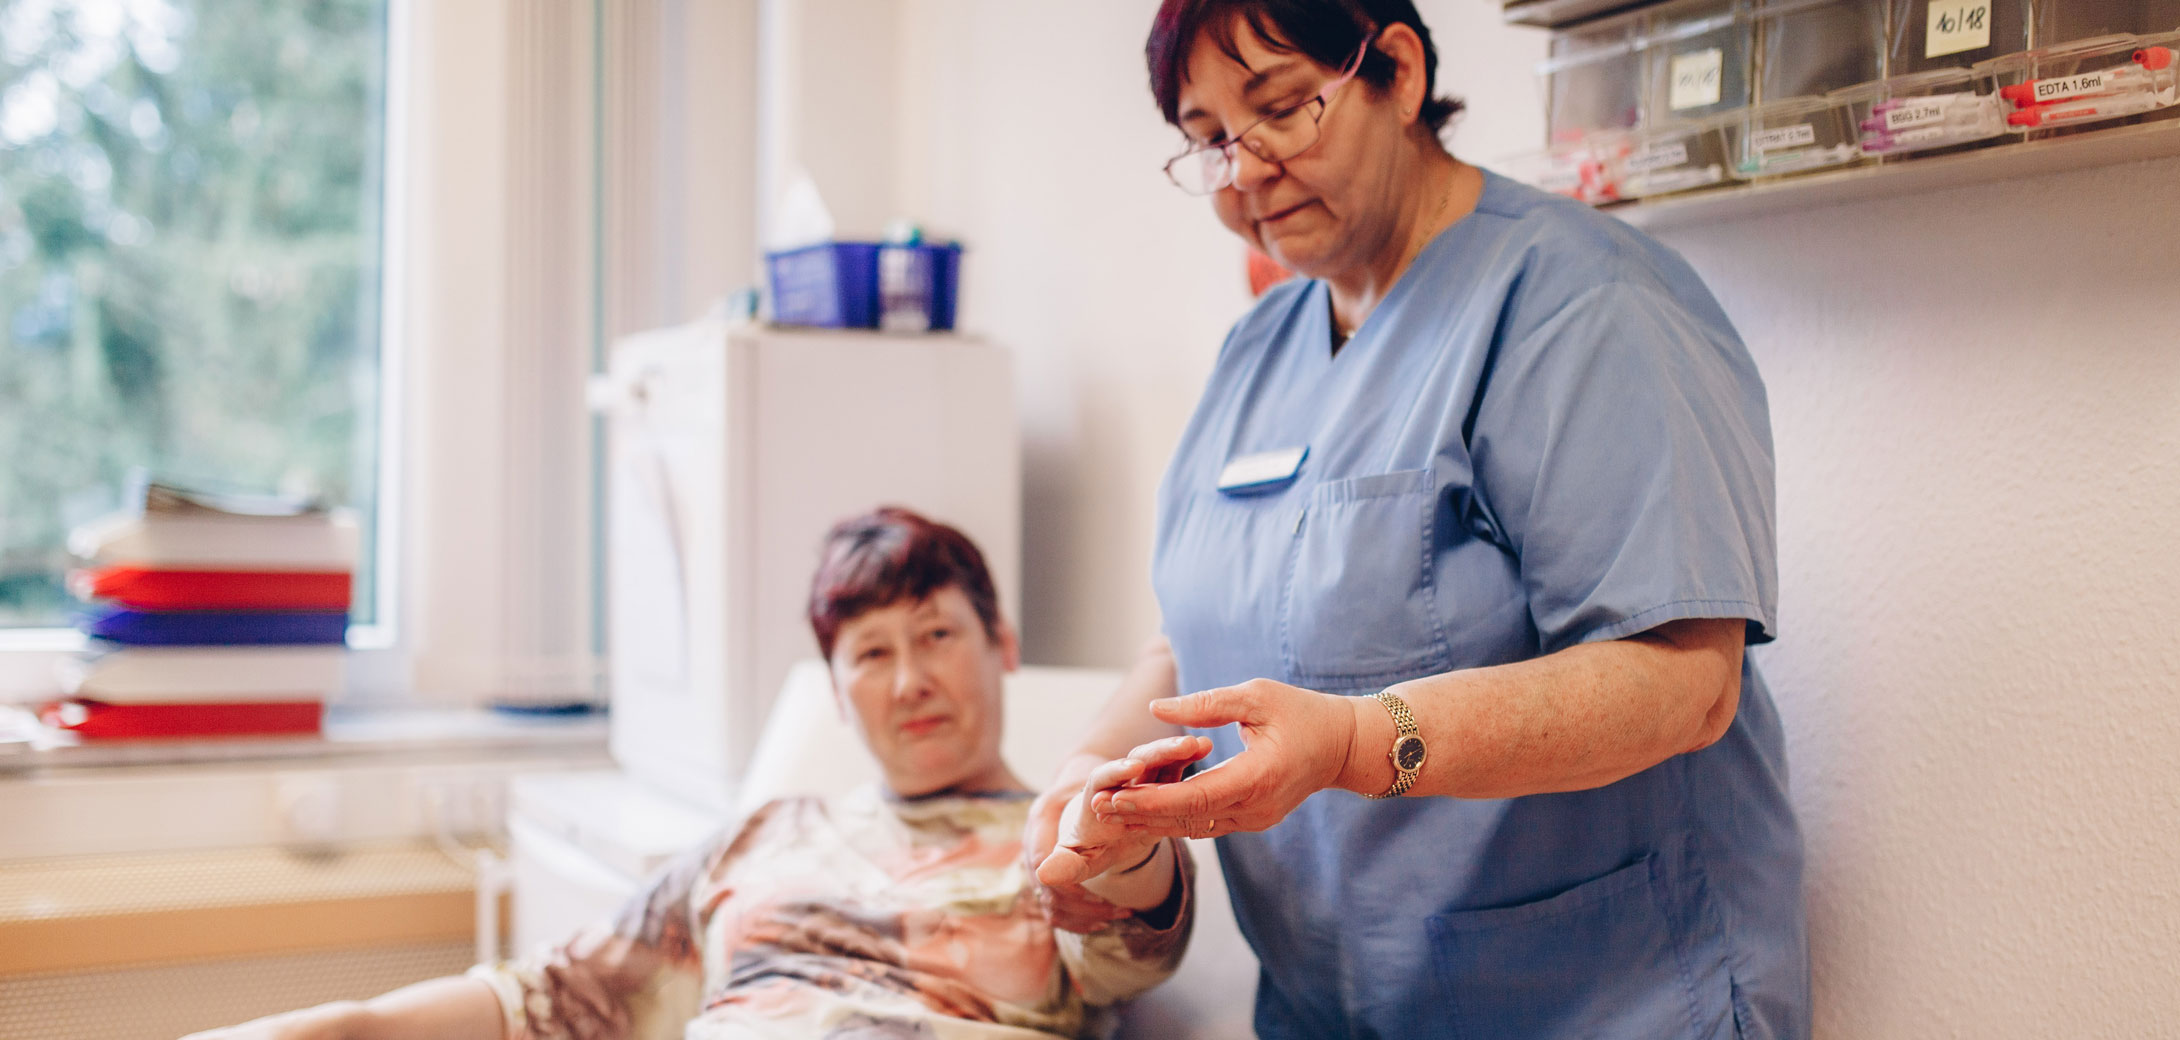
[1358, 607]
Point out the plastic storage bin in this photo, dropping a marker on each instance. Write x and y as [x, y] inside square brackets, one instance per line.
[1940, 34]
[1810, 47]
[1579, 171]
[2064, 21]
[1673, 157]
[1592, 81]
[1924, 110]
[2092, 81]
[1792, 135]
[1696, 60]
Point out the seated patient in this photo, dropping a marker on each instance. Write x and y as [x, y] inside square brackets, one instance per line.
[902, 910]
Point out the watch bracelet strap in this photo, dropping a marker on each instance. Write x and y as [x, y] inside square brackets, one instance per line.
[1403, 719]
[1403, 725]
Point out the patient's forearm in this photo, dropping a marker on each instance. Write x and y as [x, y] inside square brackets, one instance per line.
[1141, 887]
[456, 1008]
[1126, 721]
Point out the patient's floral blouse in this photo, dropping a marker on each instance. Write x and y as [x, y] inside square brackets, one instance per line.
[863, 917]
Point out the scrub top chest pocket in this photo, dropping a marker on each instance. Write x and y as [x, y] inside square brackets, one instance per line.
[1357, 604]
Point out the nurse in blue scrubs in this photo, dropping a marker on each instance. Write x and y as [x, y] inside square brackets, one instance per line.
[1458, 561]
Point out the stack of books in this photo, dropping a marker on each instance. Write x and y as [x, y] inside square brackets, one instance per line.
[208, 615]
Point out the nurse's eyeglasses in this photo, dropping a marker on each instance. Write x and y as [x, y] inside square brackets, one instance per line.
[1276, 138]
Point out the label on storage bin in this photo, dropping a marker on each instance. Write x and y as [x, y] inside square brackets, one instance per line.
[1800, 135]
[1658, 157]
[1561, 179]
[1681, 179]
[1914, 112]
[2071, 86]
[1912, 138]
[1954, 26]
[1696, 76]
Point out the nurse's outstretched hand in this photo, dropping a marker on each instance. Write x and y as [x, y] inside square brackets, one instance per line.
[1297, 744]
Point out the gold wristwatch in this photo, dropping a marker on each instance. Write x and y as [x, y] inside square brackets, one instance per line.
[1408, 750]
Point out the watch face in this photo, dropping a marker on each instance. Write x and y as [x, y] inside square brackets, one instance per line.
[1408, 753]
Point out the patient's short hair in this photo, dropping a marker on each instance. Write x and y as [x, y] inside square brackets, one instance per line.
[888, 555]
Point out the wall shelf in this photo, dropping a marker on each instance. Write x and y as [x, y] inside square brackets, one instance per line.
[1550, 14]
[2107, 147]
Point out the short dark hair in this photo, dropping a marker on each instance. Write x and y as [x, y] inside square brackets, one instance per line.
[1325, 31]
[889, 555]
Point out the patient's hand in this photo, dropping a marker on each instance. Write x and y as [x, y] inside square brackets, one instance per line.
[1070, 908]
[1089, 845]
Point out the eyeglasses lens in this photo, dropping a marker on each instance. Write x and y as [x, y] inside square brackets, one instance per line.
[1278, 138]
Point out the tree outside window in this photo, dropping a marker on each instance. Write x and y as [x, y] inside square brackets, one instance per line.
[190, 262]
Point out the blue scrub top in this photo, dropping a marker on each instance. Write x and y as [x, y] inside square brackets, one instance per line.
[1547, 434]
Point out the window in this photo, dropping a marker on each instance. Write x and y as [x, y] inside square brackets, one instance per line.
[190, 263]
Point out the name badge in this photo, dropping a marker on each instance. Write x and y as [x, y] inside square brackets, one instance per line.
[1263, 471]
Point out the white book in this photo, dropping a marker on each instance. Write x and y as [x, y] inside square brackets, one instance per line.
[205, 674]
[215, 541]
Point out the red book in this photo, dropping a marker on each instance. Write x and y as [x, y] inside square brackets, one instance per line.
[147, 588]
[93, 720]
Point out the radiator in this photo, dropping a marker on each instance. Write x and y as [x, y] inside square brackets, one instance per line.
[155, 946]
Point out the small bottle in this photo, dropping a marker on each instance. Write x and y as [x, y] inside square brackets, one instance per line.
[904, 279]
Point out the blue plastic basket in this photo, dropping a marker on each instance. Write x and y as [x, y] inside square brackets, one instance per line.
[946, 262]
[835, 285]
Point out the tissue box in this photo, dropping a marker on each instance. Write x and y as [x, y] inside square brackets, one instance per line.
[839, 285]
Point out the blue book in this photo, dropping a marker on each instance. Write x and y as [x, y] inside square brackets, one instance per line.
[215, 627]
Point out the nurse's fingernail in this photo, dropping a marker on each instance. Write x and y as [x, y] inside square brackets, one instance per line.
[1126, 805]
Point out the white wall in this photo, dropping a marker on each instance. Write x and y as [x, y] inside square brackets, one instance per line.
[1976, 397]
[828, 76]
[1978, 570]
